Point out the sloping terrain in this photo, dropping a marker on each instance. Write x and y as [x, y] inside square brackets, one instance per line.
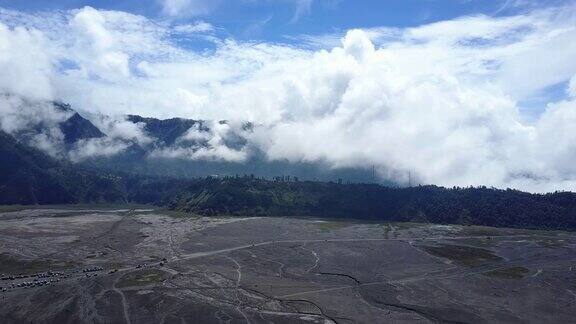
[29, 176]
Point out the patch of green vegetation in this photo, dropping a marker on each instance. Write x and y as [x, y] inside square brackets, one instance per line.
[326, 226]
[500, 231]
[402, 226]
[96, 254]
[12, 208]
[463, 255]
[141, 278]
[487, 241]
[508, 273]
[552, 243]
[74, 207]
[154, 258]
[99, 206]
[12, 265]
[482, 231]
[174, 213]
[387, 229]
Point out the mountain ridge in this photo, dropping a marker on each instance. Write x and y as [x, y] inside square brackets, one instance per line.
[30, 177]
[175, 141]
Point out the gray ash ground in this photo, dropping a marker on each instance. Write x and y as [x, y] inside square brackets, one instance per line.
[142, 266]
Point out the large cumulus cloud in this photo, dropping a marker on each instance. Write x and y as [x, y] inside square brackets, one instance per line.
[22, 53]
[444, 102]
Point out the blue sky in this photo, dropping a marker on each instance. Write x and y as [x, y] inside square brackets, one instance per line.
[273, 20]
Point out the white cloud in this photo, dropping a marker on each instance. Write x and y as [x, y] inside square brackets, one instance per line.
[192, 8]
[96, 147]
[22, 54]
[119, 128]
[197, 27]
[439, 100]
[199, 144]
[572, 87]
[97, 50]
[15, 117]
[49, 140]
[36, 121]
[303, 8]
[186, 8]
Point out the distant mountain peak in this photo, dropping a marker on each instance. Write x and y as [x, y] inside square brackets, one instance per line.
[167, 130]
[63, 107]
[77, 128]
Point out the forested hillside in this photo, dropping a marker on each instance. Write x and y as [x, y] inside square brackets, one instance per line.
[478, 206]
[28, 176]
